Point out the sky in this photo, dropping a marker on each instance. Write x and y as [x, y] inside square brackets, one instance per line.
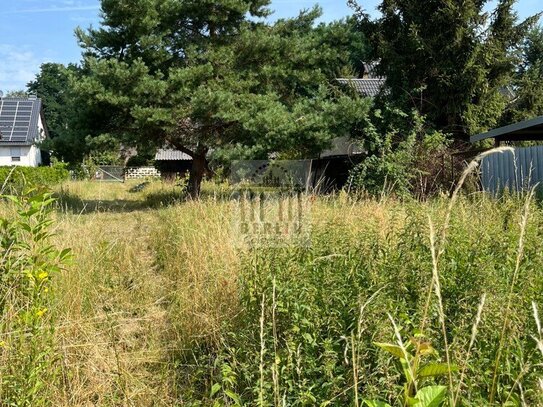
[33, 32]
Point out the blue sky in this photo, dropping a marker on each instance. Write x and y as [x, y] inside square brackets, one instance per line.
[36, 31]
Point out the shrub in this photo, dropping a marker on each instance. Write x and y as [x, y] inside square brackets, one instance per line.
[403, 156]
[14, 178]
[27, 266]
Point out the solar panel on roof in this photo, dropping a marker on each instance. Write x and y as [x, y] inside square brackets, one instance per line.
[19, 120]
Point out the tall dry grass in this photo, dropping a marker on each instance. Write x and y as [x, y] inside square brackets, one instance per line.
[162, 307]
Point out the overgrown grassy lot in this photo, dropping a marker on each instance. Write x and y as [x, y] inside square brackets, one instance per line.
[159, 307]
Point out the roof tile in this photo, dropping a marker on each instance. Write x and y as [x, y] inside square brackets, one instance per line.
[367, 87]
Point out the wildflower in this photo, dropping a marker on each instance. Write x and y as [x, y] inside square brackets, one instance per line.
[41, 312]
[43, 275]
[2, 344]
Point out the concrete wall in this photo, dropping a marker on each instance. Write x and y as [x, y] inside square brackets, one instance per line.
[141, 172]
[30, 156]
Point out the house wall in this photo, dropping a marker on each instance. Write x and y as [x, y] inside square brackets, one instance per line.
[30, 156]
[41, 130]
[34, 156]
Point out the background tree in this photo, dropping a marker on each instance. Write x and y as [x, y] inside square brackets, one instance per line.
[211, 75]
[528, 84]
[449, 60]
[16, 94]
[53, 85]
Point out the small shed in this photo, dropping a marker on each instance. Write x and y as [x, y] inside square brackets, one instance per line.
[172, 163]
[517, 170]
[527, 130]
[330, 171]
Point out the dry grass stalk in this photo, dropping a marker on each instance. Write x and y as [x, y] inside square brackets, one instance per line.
[474, 330]
[275, 366]
[404, 349]
[520, 254]
[454, 197]
[539, 338]
[437, 288]
[262, 352]
[355, 370]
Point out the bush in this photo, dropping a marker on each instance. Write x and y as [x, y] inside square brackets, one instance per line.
[140, 161]
[28, 264]
[403, 156]
[15, 178]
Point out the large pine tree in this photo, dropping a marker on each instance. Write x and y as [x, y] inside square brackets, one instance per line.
[212, 74]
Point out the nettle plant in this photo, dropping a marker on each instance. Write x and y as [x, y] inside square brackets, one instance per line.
[27, 264]
[419, 366]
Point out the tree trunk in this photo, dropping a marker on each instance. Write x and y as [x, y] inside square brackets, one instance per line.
[197, 173]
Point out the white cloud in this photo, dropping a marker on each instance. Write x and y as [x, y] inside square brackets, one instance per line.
[18, 67]
[52, 9]
[53, 6]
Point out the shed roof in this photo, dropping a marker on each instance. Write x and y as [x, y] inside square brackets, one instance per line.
[166, 154]
[19, 119]
[526, 130]
[369, 87]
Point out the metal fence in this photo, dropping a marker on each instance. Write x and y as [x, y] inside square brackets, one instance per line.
[512, 171]
[110, 173]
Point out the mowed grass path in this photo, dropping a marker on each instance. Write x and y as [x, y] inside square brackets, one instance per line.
[159, 306]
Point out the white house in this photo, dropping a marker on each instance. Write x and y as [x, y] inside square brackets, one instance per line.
[22, 129]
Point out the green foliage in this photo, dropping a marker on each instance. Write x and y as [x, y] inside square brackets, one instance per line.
[450, 60]
[103, 150]
[528, 85]
[15, 178]
[53, 85]
[28, 265]
[17, 94]
[227, 83]
[140, 160]
[417, 372]
[401, 155]
[322, 308]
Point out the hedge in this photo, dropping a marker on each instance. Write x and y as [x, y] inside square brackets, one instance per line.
[18, 177]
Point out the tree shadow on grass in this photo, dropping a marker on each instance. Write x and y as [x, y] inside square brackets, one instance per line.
[71, 203]
[85, 206]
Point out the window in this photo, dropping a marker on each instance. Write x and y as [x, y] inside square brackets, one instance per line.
[15, 154]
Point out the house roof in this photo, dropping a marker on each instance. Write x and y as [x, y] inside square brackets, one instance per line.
[165, 154]
[526, 130]
[369, 87]
[370, 70]
[19, 119]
